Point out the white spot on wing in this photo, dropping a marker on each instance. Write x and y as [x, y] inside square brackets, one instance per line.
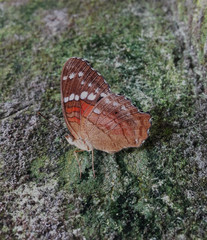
[82, 82]
[107, 101]
[91, 96]
[103, 95]
[97, 90]
[84, 95]
[123, 108]
[80, 74]
[115, 104]
[90, 84]
[96, 110]
[76, 97]
[72, 75]
[66, 99]
[65, 77]
[71, 97]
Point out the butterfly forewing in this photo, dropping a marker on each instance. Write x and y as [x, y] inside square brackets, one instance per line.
[81, 88]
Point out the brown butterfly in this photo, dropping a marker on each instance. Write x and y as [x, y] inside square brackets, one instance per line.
[96, 117]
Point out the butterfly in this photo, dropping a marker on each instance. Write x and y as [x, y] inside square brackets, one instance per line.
[96, 117]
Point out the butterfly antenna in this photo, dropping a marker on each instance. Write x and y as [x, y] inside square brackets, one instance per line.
[38, 113]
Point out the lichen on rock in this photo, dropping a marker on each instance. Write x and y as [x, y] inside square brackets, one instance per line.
[153, 52]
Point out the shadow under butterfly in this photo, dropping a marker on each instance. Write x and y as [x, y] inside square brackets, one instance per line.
[96, 117]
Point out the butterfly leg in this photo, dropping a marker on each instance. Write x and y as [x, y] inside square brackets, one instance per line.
[93, 164]
[79, 164]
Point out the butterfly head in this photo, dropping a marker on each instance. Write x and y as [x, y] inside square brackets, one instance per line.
[79, 143]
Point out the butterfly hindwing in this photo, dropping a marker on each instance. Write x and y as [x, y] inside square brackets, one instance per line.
[114, 123]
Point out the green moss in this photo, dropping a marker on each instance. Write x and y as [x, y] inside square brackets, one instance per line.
[137, 193]
[194, 15]
[37, 169]
[203, 37]
[68, 169]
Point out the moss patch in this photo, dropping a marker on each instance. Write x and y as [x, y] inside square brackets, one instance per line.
[154, 192]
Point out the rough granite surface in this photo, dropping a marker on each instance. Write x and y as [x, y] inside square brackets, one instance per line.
[155, 53]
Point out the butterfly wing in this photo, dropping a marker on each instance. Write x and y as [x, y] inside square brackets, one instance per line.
[96, 116]
[114, 123]
[81, 88]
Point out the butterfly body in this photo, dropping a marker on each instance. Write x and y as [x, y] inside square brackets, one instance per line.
[96, 117]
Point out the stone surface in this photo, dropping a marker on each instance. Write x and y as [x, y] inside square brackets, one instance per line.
[154, 52]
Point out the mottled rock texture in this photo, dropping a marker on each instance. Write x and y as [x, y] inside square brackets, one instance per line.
[153, 52]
